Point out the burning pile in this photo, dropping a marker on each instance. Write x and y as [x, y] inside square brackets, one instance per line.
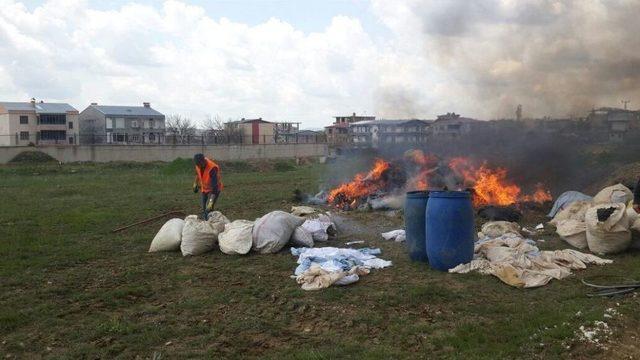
[489, 185]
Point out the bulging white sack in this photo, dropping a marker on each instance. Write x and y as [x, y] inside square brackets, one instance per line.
[574, 211]
[169, 236]
[614, 194]
[236, 237]
[199, 236]
[319, 227]
[494, 229]
[611, 235]
[273, 231]
[573, 232]
[301, 238]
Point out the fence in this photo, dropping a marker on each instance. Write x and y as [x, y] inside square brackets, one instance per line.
[25, 138]
[138, 139]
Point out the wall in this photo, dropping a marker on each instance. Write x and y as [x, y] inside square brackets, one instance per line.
[145, 153]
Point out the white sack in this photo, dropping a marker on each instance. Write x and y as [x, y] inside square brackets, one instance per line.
[236, 237]
[169, 236]
[199, 236]
[318, 227]
[574, 211]
[573, 232]
[611, 235]
[272, 231]
[613, 194]
[301, 238]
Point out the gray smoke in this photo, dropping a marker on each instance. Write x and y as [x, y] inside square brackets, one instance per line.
[557, 58]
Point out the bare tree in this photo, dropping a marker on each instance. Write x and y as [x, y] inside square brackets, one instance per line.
[219, 131]
[181, 128]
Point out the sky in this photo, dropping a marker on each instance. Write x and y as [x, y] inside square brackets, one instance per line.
[308, 61]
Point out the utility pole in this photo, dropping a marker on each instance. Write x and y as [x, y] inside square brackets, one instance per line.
[625, 102]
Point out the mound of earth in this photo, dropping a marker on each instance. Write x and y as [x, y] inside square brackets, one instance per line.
[32, 157]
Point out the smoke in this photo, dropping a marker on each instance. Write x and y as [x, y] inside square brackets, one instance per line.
[557, 58]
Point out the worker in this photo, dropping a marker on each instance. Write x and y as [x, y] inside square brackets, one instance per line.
[208, 182]
[636, 197]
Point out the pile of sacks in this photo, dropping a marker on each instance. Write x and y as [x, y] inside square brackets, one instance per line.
[266, 235]
[606, 224]
[504, 253]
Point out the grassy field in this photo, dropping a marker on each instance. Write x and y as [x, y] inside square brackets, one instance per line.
[72, 289]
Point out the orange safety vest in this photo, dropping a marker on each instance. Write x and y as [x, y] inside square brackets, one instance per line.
[204, 177]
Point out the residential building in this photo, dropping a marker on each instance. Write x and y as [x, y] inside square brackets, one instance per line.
[452, 125]
[304, 137]
[376, 133]
[613, 124]
[284, 131]
[109, 124]
[338, 132]
[253, 131]
[38, 123]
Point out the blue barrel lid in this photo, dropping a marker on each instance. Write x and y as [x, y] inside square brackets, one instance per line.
[449, 194]
[418, 194]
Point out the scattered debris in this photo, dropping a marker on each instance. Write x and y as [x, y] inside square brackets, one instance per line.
[354, 242]
[395, 235]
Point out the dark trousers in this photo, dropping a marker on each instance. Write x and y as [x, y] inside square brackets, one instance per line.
[205, 198]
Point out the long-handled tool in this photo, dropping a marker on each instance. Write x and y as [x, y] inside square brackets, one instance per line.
[610, 290]
[170, 213]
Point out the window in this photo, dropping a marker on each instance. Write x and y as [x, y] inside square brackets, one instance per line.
[151, 124]
[53, 119]
[134, 124]
[70, 124]
[119, 123]
[152, 137]
[24, 135]
[24, 120]
[53, 135]
[71, 140]
[109, 123]
[135, 138]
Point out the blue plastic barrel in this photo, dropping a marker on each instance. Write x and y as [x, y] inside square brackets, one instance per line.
[415, 207]
[450, 229]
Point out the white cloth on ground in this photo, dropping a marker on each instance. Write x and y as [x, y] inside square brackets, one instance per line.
[518, 262]
[322, 267]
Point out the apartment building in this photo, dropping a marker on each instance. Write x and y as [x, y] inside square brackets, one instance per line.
[378, 133]
[338, 132]
[38, 123]
[109, 124]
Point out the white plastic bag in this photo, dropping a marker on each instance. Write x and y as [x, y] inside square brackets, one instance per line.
[168, 237]
[613, 194]
[236, 237]
[272, 231]
[612, 235]
[573, 232]
[199, 236]
[301, 238]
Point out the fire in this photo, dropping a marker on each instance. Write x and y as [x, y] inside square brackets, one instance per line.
[492, 186]
[348, 194]
[426, 165]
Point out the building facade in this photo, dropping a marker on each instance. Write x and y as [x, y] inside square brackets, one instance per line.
[253, 131]
[38, 123]
[452, 125]
[379, 133]
[106, 124]
[338, 133]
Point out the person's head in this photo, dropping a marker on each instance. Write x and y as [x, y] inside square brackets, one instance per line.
[199, 160]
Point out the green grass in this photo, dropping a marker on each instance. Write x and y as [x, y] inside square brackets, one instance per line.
[72, 289]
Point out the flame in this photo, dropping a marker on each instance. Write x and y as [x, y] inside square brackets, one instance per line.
[348, 194]
[426, 165]
[492, 186]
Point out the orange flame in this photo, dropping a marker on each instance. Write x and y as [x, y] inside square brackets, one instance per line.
[426, 165]
[492, 187]
[362, 185]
